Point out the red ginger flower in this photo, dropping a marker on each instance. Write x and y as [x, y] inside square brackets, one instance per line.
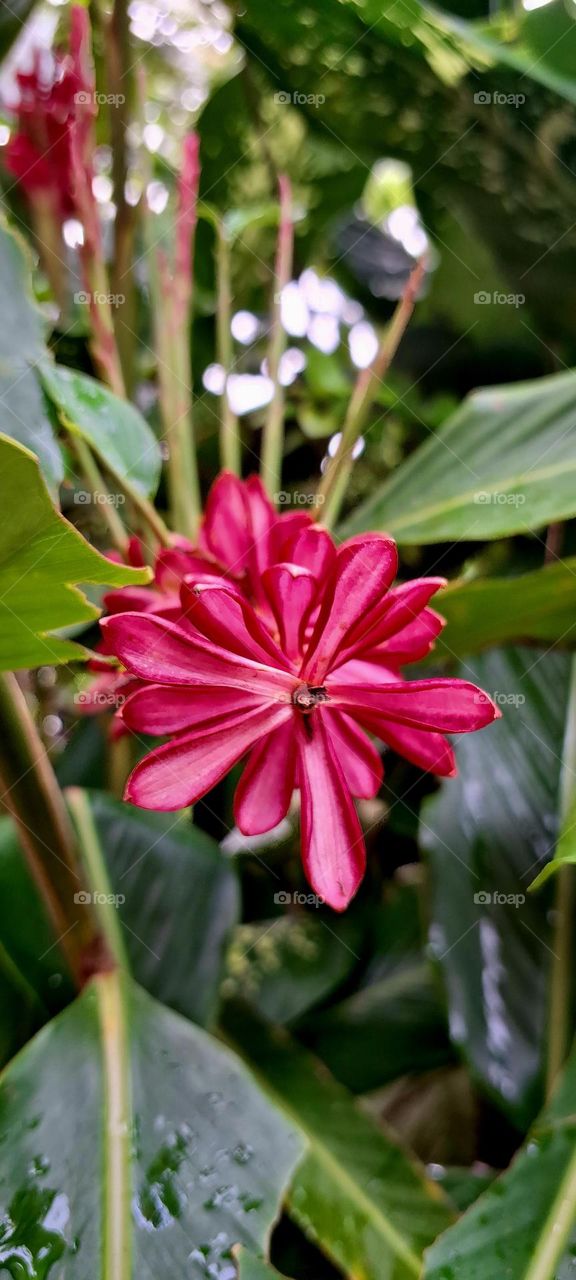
[297, 694]
[50, 97]
[241, 535]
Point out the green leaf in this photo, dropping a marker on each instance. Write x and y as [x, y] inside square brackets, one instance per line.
[114, 429]
[25, 414]
[251, 1268]
[396, 1025]
[42, 557]
[356, 1193]
[485, 833]
[168, 871]
[284, 967]
[28, 941]
[521, 1226]
[133, 1143]
[496, 611]
[505, 463]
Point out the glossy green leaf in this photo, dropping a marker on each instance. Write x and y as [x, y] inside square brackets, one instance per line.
[284, 967]
[485, 834]
[521, 1227]
[114, 429]
[133, 1144]
[356, 1194]
[25, 415]
[28, 941]
[181, 901]
[504, 463]
[42, 558]
[396, 1025]
[538, 606]
[251, 1268]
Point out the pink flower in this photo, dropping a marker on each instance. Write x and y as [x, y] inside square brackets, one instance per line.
[299, 688]
[40, 153]
[241, 535]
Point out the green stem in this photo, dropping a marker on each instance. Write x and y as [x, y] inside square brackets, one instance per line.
[96, 875]
[91, 473]
[32, 796]
[171, 287]
[273, 438]
[333, 485]
[230, 441]
[146, 510]
[561, 983]
[120, 86]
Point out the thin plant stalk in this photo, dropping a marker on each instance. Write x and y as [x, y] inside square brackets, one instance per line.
[30, 793]
[230, 440]
[560, 1022]
[273, 437]
[103, 339]
[172, 290]
[91, 473]
[120, 86]
[335, 480]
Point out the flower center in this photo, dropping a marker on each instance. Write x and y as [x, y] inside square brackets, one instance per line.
[306, 697]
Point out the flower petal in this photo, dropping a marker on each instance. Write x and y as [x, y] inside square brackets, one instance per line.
[265, 789]
[225, 530]
[229, 621]
[314, 549]
[365, 567]
[159, 709]
[162, 652]
[333, 850]
[361, 762]
[291, 591]
[429, 751]
[398, 609]
[415, 641]
[450, 706]
[181, 772]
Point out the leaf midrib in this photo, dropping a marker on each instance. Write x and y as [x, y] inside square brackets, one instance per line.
[463, 498]
[341, 1175]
